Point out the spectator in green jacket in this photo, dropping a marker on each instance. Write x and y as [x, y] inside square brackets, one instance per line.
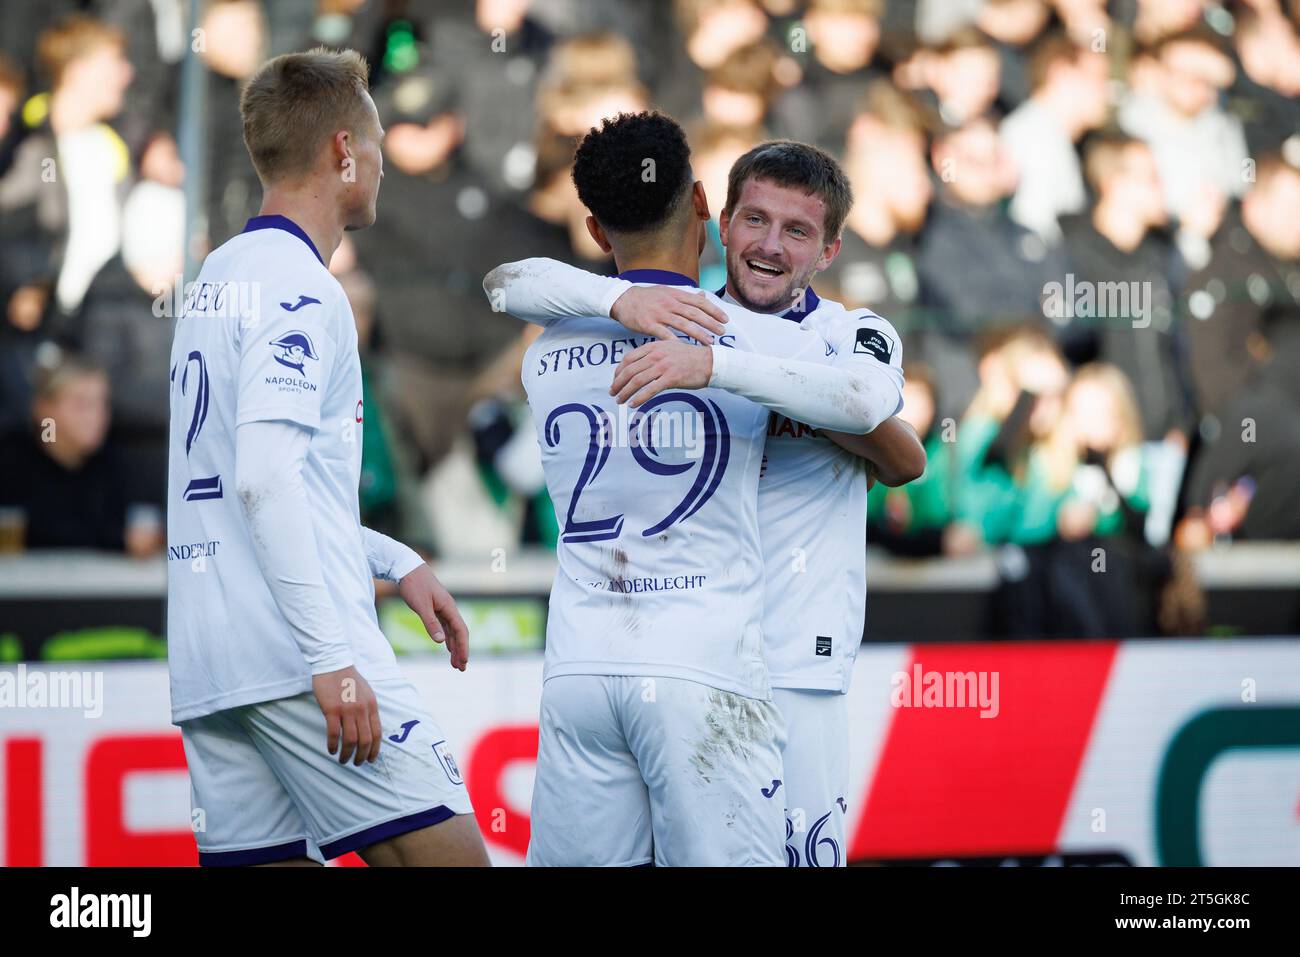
[1094, 457]
[1087, 569]
[1000, 487]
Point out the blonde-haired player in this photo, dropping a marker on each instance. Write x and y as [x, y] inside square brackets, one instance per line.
[277, 661]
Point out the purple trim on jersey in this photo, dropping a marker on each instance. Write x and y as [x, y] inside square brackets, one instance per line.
[382, 832]
[662, 277]
[285, 223]
[810, 302]
[253, 855]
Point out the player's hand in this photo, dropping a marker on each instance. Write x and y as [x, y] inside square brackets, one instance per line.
[427, 597]
[667, 311]
[351, 715]
[655, 366]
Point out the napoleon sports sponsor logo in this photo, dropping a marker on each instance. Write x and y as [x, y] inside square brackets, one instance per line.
[946, 689]
[295, 349]
[71, 690]
[74, 909]
[288, 383]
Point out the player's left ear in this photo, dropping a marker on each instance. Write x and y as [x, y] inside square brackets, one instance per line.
[342, 145]
[829, 252]
[598, 234]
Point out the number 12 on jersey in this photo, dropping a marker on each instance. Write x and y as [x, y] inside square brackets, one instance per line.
[210, 486]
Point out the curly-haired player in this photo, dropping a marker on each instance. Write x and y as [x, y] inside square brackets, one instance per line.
[659, 739]
[786, 203]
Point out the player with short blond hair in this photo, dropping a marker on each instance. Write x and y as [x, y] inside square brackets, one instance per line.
[276, 657]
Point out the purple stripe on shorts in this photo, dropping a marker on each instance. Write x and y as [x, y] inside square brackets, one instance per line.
[385, 830]
[253, 855]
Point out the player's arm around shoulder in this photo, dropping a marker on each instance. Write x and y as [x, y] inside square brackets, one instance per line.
[868, 345]
[676, 360]
[656, 366]
[765, 359]
[545, 291]
[682, 357]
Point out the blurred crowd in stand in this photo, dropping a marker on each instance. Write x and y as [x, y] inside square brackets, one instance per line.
[1083, 217]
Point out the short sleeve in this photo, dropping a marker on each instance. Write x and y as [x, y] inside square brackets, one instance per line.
[286, 359]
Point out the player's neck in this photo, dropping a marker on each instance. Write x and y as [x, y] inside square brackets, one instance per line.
[322, 226]
[684, 264]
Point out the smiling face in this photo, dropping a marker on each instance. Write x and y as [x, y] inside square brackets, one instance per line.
[776, 242]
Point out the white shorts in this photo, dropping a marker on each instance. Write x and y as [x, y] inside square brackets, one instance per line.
[263, 788]
[632, 770]
[816, 762]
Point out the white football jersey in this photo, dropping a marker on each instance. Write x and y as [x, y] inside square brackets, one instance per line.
[266, 334]
[660, 566]
[812, 509]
